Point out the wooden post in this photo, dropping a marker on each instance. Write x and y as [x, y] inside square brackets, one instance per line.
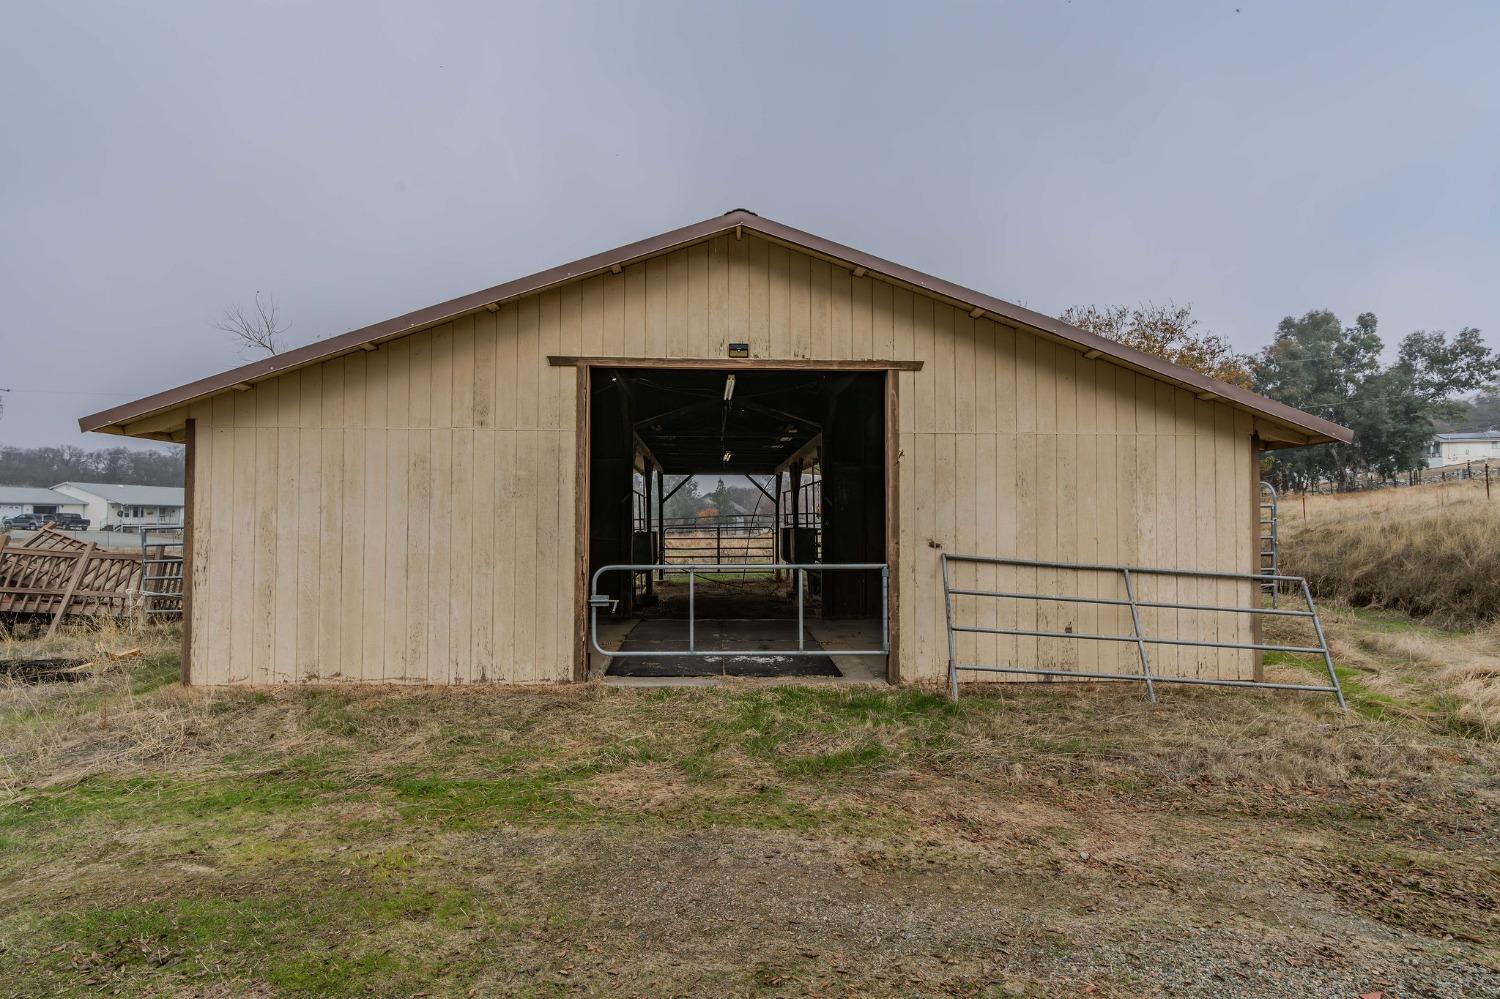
[776, 527]
[190, 460]
[661, 521]
[796, 493]
[1486, 480]
[650, 538]
[67, 597]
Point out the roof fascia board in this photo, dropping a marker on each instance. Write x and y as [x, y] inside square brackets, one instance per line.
[1148, 364]
[113, 420]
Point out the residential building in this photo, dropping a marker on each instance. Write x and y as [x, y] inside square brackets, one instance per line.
[111, 507]
[16, 500]
[1456, 449]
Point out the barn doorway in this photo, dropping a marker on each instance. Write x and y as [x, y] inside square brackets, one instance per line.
[718, 480]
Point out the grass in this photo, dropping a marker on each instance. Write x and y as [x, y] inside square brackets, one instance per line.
[795, 840]
[1430, 552]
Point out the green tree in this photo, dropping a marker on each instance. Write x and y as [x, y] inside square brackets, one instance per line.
[1323, 367]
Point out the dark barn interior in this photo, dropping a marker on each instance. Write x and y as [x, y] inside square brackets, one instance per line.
[813, 443]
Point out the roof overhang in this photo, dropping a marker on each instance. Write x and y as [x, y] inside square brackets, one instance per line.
[157, 417]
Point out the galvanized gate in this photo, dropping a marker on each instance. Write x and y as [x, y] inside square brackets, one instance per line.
[602, 601]
[1270, 540]
[1138, 637]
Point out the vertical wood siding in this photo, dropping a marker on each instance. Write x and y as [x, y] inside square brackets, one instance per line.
[405, 515]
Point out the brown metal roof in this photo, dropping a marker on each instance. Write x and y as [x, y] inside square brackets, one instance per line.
[1318, 428]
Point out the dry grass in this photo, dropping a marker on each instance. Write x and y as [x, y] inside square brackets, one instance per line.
[1432, 552]
[1032, 840]
[1465, 670]
[129, 712]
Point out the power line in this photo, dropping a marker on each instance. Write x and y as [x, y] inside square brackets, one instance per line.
[59, 392]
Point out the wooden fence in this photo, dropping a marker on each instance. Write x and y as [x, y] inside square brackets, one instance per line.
[54, 575]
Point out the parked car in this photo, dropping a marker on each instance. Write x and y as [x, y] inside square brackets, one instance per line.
[27, 522]
[70, 521]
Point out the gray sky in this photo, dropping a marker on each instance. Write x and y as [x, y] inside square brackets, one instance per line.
[160, 161]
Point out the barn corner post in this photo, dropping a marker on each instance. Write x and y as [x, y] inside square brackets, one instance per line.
[190, 437]
[1257, 631]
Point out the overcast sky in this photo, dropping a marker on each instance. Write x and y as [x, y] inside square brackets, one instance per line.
[160, 161]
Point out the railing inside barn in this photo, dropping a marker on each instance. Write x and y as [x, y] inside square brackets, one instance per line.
[600, 600]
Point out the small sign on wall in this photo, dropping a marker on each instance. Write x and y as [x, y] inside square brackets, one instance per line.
[739, 350]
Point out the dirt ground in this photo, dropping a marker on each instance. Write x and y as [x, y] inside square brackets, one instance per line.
[1042, 839]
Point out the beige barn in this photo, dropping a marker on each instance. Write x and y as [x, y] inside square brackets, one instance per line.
[427, 500]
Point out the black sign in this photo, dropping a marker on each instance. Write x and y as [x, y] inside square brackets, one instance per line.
[739, 350]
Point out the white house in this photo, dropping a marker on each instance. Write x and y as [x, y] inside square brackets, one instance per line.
[1455, 449]
[16, 500]
[112, 507]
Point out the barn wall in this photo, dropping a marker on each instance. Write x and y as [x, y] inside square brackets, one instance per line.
[403, 515]
[1048, 455]
[406, 514]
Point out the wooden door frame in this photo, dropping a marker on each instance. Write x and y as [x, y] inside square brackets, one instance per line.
[581, 482]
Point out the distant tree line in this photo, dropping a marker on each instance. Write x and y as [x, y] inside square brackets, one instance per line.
[1323, 367]
[47, 466]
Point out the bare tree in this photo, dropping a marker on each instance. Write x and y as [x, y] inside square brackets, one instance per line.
[256, 331]
[1168, 331]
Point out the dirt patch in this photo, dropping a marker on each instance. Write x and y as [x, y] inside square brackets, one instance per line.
[739, 911]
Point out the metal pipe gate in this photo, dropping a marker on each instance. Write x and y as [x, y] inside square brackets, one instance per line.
[598, 601]
[1270, 540]
[1138, 636]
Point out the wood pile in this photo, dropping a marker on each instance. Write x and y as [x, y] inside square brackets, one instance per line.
[59, 576]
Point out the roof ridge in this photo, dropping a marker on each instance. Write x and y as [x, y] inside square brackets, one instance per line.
[978, 303]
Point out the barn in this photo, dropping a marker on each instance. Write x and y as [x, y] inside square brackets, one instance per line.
[474, 491]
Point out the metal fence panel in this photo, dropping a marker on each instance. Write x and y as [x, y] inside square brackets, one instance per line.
[1139, 636]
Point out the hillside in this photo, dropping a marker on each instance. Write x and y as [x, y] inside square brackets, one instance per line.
[1430, 551]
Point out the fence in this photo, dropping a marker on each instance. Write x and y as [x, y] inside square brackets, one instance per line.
[55, 575]
[1365, 481]
[1140, 636]
[161, 572]
[740, 538]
